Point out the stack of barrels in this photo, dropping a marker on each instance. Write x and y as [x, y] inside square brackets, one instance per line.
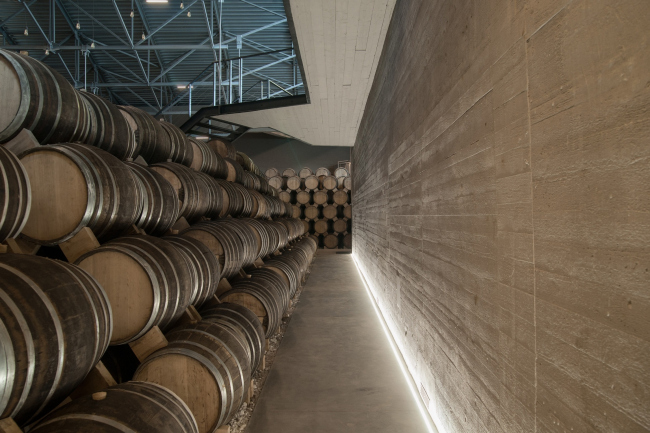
[146, 225]
[321, 199]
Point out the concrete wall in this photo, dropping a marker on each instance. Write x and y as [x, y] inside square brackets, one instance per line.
[274, 152]
[502, 210]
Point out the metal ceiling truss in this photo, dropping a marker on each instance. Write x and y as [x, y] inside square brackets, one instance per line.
[159, 70]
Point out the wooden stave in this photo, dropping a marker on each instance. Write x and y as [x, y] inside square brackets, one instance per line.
[328, 183]
[322, 197]
[161, 210]
[322, 226]
[282, 286]
[221, 351]
[205, 159]
[347, 211]
[311, 183]
[347, 183]
[330, 212]
[133, 406]
[289, 272]
[289, 172]
[247, 320]
[266, 294]
[340, 225]
[245, 233]
[246, 200]
[231, 259]
[304, 197]
[153, 141]
[15, 195]
[113, 133]
[278, 182]
[312, 212]
[63, 286]
[263, 210]
[215, 202]
[114, 197]
[181, 148]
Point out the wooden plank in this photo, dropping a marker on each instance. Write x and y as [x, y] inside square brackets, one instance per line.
[223, 287]
[181, 224]
[224, 429]
[79, 245]
[259, 263]
[22, 142]
[8, 425]
[3, 249]
[148, 343]
[21, 246]
[98, 379]
[190, 315]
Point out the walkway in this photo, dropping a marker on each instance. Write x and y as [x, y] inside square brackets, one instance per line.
[335, 371]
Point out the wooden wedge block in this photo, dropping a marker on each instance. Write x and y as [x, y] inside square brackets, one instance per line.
[223, 287]
[8, 425]
[148, 343]
[3, 249]
[243, 274]
[251, 392]
[21, 246]
[140, 160]
[98, 379]
[181, 224]
[190, 315]
[266, 348]
[259, 263]
[224, 429]
[22, 142]
[79, 245]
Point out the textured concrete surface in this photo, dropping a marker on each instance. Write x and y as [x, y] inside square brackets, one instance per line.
[334, 370]
[502, 209]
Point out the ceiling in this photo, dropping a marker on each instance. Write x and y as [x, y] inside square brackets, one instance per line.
[340, 44]
[178, 48]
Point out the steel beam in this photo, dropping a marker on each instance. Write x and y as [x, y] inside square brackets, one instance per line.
[150, 34]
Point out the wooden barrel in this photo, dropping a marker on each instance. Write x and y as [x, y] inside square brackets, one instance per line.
[181, 148]
[247, 163]
[207, 365]
[305, 172]
[203, 265]
[251, 181]
[161, 205]
[304, 197]
[271, 172]
[293, 183]
[235, 171]
[223, 148]
[206, 160]
[266, 238]
[311, 212]
[331, 241]
[261, 209]
[287, 271]
[262, 298]
[322, 171]
[289, 172]
[340, 225]
[347, 183]
[224, 244]
[282, 233]
[341, 172]
[341, 197]
[234, 200]
[329, 183]
[147, 282]
[214, 200]
[278, 182]
[55, 324]
[285, 196]
[247, 235]
[322, 197]
[109, 130]
[129, 407]
[293, 225]
[306, 227]
[330, 212]
[347, 241]
[311, 183]
[74, 186]
[242, 319]
[247, 200]
[36, 97]
[15, 195]
[288, 210]
[296, 211]
[322, 226]
[152, 139]
[193, 194]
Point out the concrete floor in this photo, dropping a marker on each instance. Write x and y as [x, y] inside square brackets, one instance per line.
[335, 371]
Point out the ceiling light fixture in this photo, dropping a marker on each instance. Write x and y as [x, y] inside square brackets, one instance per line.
[182, 5]
[92, 45]
[26, 32]
[132, 14]
[189, 14]
[78, 26]
[143, 36]
[47, 52]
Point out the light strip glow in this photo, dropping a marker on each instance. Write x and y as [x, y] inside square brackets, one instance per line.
[432, 426]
